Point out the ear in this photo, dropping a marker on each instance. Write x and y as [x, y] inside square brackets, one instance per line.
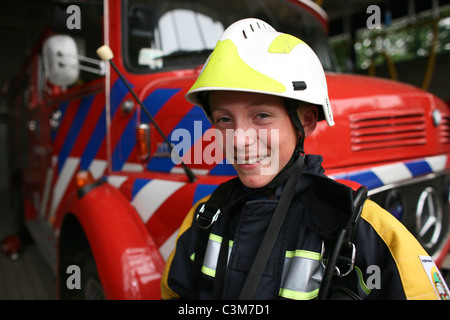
[308, 116]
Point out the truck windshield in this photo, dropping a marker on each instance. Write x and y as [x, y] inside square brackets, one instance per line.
[176, 34]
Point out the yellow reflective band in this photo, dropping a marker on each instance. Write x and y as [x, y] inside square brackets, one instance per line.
[208, 271]
[296, 295]
[304, 254]
[225, 69]
[215, 237]
[284, 44]
[218, 239]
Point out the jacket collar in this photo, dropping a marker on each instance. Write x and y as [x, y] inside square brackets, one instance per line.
[328, 204]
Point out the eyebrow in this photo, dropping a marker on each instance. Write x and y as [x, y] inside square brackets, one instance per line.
[258, 103]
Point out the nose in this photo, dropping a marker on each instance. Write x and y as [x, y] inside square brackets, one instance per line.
[244, 137]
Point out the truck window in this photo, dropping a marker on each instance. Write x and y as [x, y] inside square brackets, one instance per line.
[173, 34]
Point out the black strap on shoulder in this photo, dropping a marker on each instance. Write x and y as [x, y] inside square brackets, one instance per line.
[344, 251]
[268, 241]
[271, 234]
[207, 213]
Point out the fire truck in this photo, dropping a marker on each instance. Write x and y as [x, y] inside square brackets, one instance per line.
[96, 183]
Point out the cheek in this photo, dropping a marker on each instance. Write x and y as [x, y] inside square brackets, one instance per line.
[278, 141]
[287, 142]
[272, 140]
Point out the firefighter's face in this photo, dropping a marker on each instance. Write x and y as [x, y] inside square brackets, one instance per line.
[255, 132]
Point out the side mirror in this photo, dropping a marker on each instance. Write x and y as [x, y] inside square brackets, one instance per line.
[60, 60]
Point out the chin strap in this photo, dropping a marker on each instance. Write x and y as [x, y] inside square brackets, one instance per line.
[292, 107]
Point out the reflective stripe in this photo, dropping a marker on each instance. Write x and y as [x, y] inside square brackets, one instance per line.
[302, 271]
[212, 254]
[383, 175]
[297, 295]
[302, 275]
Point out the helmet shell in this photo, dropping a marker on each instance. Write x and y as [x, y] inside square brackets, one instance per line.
[252, 56]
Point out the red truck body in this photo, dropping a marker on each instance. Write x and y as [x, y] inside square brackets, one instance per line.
[119, 223]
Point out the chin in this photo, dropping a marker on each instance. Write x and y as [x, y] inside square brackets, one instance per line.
[255, 182]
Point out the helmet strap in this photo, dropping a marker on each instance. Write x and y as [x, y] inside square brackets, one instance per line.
[292, 109]
[297, 155]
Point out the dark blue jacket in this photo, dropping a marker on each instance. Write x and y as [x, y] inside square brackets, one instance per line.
[388, 258]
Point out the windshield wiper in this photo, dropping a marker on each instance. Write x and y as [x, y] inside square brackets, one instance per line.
[182, 53]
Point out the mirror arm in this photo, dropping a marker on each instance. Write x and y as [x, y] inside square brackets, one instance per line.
[100, 68]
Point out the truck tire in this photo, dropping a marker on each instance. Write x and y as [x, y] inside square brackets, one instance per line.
[91, 287]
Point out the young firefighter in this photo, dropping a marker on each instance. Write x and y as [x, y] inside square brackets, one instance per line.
[272, 232]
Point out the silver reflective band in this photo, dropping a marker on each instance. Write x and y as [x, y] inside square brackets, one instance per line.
[302, 275]
[302, 269]
[212, 254]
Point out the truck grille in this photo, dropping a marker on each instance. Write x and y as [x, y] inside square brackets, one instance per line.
[402, 200]
[387, 129]
[445, 129]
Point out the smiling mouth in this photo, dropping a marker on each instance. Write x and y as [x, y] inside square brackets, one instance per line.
[251, 160]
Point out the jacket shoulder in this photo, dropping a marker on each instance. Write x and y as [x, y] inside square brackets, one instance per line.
[404, 248]
[166, 290]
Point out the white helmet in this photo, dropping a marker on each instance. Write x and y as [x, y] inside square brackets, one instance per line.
[252, 56]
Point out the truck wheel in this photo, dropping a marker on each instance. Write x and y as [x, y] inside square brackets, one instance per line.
[91, 287]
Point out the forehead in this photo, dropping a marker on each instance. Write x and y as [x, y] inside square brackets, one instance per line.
[224, 99]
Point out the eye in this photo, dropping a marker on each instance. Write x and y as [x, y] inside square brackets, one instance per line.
[222, 119]
[262, 115]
